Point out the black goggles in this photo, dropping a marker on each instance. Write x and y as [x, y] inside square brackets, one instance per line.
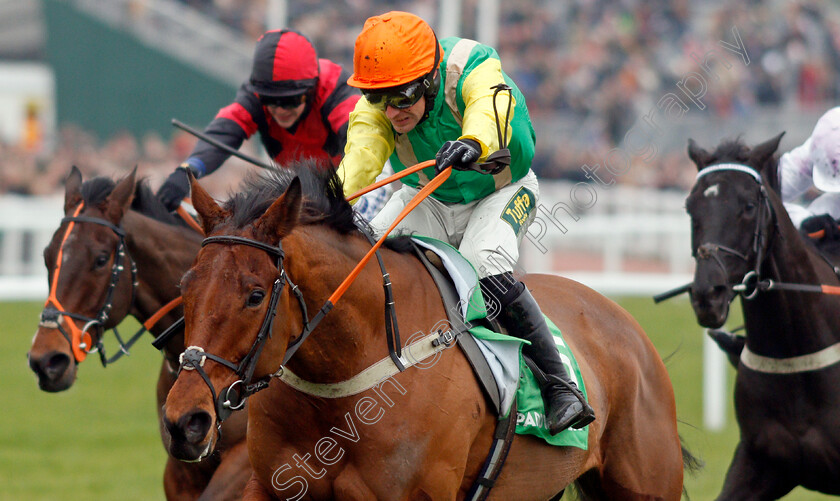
[285, 102]
[400, 98]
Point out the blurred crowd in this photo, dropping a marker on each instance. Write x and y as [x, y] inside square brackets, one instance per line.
[594, 65]
[26, 169]
[609, 62]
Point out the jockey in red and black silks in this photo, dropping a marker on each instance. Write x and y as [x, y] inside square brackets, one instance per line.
[299, 105]
[320, 131]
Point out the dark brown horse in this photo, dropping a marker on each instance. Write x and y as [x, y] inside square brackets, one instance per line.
[786, 397]
[421, 434]
[115, 234]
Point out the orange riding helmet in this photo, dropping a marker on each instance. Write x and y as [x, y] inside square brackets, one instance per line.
[394, 49]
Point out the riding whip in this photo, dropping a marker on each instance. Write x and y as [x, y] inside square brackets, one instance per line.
[209, 140]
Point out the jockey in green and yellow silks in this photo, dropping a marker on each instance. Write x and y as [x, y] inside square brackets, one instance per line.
[426, 99]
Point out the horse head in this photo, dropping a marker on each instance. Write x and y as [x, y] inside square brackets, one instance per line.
[231, 294]
[91, 282]
[732, 223]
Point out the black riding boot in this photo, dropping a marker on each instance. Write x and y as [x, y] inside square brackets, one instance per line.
[520, 315]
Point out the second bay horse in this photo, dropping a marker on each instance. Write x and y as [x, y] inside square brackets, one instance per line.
[90, 283]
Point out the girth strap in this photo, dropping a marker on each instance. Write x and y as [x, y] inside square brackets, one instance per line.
[468, 344]
[506, 427]
[502, 440]
[792, 365]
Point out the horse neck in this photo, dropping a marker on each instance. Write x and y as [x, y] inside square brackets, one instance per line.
[353, 336]
[162, 254]
[788, 323]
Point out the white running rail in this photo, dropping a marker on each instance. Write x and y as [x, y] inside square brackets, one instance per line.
[26, 227]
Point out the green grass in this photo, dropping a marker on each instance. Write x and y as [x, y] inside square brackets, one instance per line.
[678, 338]
[97, 440]
[100, 441]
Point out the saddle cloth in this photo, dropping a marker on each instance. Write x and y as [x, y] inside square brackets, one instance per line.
[503, 353]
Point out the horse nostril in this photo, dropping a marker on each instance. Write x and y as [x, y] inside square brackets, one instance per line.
[52, 366]
[702, 291]
[195, 426]
[56, 365]
[173, 430]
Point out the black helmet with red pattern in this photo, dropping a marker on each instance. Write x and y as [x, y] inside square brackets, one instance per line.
[285, 64]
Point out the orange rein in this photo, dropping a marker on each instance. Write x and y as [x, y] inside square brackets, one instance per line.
[191, 222]
[419, 197]
[342, 288]
[391, 179]
[817, 235]
[171, 305]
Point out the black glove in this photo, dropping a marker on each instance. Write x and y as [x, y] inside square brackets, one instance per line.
[824, 222]
[459, 154]
[175, 188]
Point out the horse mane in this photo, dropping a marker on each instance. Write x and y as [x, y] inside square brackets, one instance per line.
[96, 190]
[323, 196]
[733, 150]
[146, 203]
[323, 200]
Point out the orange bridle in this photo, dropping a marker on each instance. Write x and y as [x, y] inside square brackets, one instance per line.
[54, 314]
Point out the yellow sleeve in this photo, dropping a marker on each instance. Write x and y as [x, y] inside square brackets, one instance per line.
[370, 141]
[479, 121]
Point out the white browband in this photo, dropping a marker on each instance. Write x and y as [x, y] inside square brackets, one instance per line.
[737, 167]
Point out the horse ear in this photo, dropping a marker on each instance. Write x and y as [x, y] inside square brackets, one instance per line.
[698, 155]
[208, 210]
[764, 151]
[72, 190]
[120, 198]
[279, 220]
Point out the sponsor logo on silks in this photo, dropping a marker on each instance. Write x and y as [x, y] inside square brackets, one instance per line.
[531, 418]
[518, 208]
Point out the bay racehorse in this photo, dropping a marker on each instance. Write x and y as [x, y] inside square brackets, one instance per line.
[281, 248]
[786, 397]
[118, 252]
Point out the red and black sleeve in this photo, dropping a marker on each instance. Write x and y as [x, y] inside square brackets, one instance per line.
[232, 125]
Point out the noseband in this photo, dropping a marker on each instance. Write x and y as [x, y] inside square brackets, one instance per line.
[749, 285]
[53, 314]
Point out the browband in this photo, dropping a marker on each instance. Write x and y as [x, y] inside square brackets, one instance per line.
[746, 169]
[274, 251]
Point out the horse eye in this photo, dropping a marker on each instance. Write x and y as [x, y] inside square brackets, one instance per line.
[101, 260]
[749, 207]
[256, 297]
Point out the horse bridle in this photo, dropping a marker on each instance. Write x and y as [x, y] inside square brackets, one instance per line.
[52, 316]
[194, 356]
[750, 284]
[233, 396]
